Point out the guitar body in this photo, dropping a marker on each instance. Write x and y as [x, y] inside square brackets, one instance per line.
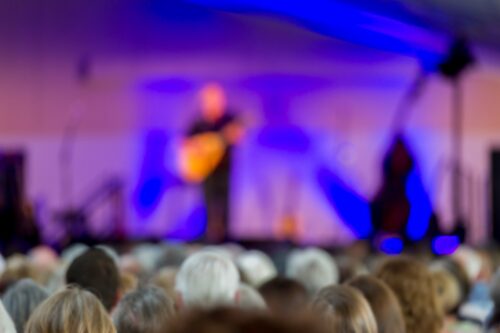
[200, 155]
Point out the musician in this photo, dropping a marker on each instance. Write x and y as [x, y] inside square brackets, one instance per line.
[213, 136]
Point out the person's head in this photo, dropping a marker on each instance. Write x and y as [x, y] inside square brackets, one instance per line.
[256, 268]
[128, 283]
[21, 299]
[17, 267]
[6, 323]
[413, 285]
[230, 320]
[344, 310]
[447, 290]
[312, 267]
[459, 275]
[212, 101]
[250, 299]
[383, 303]
[206, 280]
[145, 310]
[96, 272]
[68, 311]
[284, 296]
[165, 280]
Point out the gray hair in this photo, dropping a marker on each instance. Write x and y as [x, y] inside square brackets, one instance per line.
[313, 267]
[256, 267]
[207, 279]
[145, 310]
[21, 299]
[250, 298]
[6, 324]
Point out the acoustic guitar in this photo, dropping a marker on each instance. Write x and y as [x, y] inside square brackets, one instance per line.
[200, 155]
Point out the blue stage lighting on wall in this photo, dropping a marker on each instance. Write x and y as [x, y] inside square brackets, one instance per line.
[391, 245]
[420, 207]
[352, 208]
[445, 245]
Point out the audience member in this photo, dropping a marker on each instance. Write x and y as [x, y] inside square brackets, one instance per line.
[96, 272]
[313, 267]
[344, 310]
[383, 303]
[249, 298]
[207, 279]
[21, 299]
[145, 310]
[165, 280]
[284, 297]
[6, 323]
[413, 285]
[72, 310]
[256, 268]
[231, 320]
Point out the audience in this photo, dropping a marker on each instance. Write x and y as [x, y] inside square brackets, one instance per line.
[195, 288]
[343, 309]
[96, 271]
[72, 310]
[413, 285]
[21, 299]
[383, 303]
[145, 310]
[205, 280]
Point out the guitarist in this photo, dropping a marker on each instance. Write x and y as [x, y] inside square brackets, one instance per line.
[215, 119]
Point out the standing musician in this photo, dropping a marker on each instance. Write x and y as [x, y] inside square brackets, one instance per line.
[206, 157]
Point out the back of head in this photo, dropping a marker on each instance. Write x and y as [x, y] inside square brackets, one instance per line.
[256, 267]
[313, 267]
[459, 275]
[95, 271]
[206, 280]
[68, 311]
[413, 285]
[383, 303]
[145, 310]
[6, 323]
[17, 267]
[21, 299]
[344, 310]
[250, 299]
[284, 296]
[447, 290]
[230, 320]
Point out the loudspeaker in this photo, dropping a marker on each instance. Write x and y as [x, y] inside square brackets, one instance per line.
[11, 193]
[495, 193]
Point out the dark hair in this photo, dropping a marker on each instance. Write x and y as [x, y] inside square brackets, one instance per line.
[284, 296]
[383, 302]
[96, 272]
[21, 299]
[145, 310]
[230, 320]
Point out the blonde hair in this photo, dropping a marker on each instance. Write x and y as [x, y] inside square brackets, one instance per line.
[383, 303]
[128, 283]
[413, 285]
[68, 311]
[447, 290]
[344, 310]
